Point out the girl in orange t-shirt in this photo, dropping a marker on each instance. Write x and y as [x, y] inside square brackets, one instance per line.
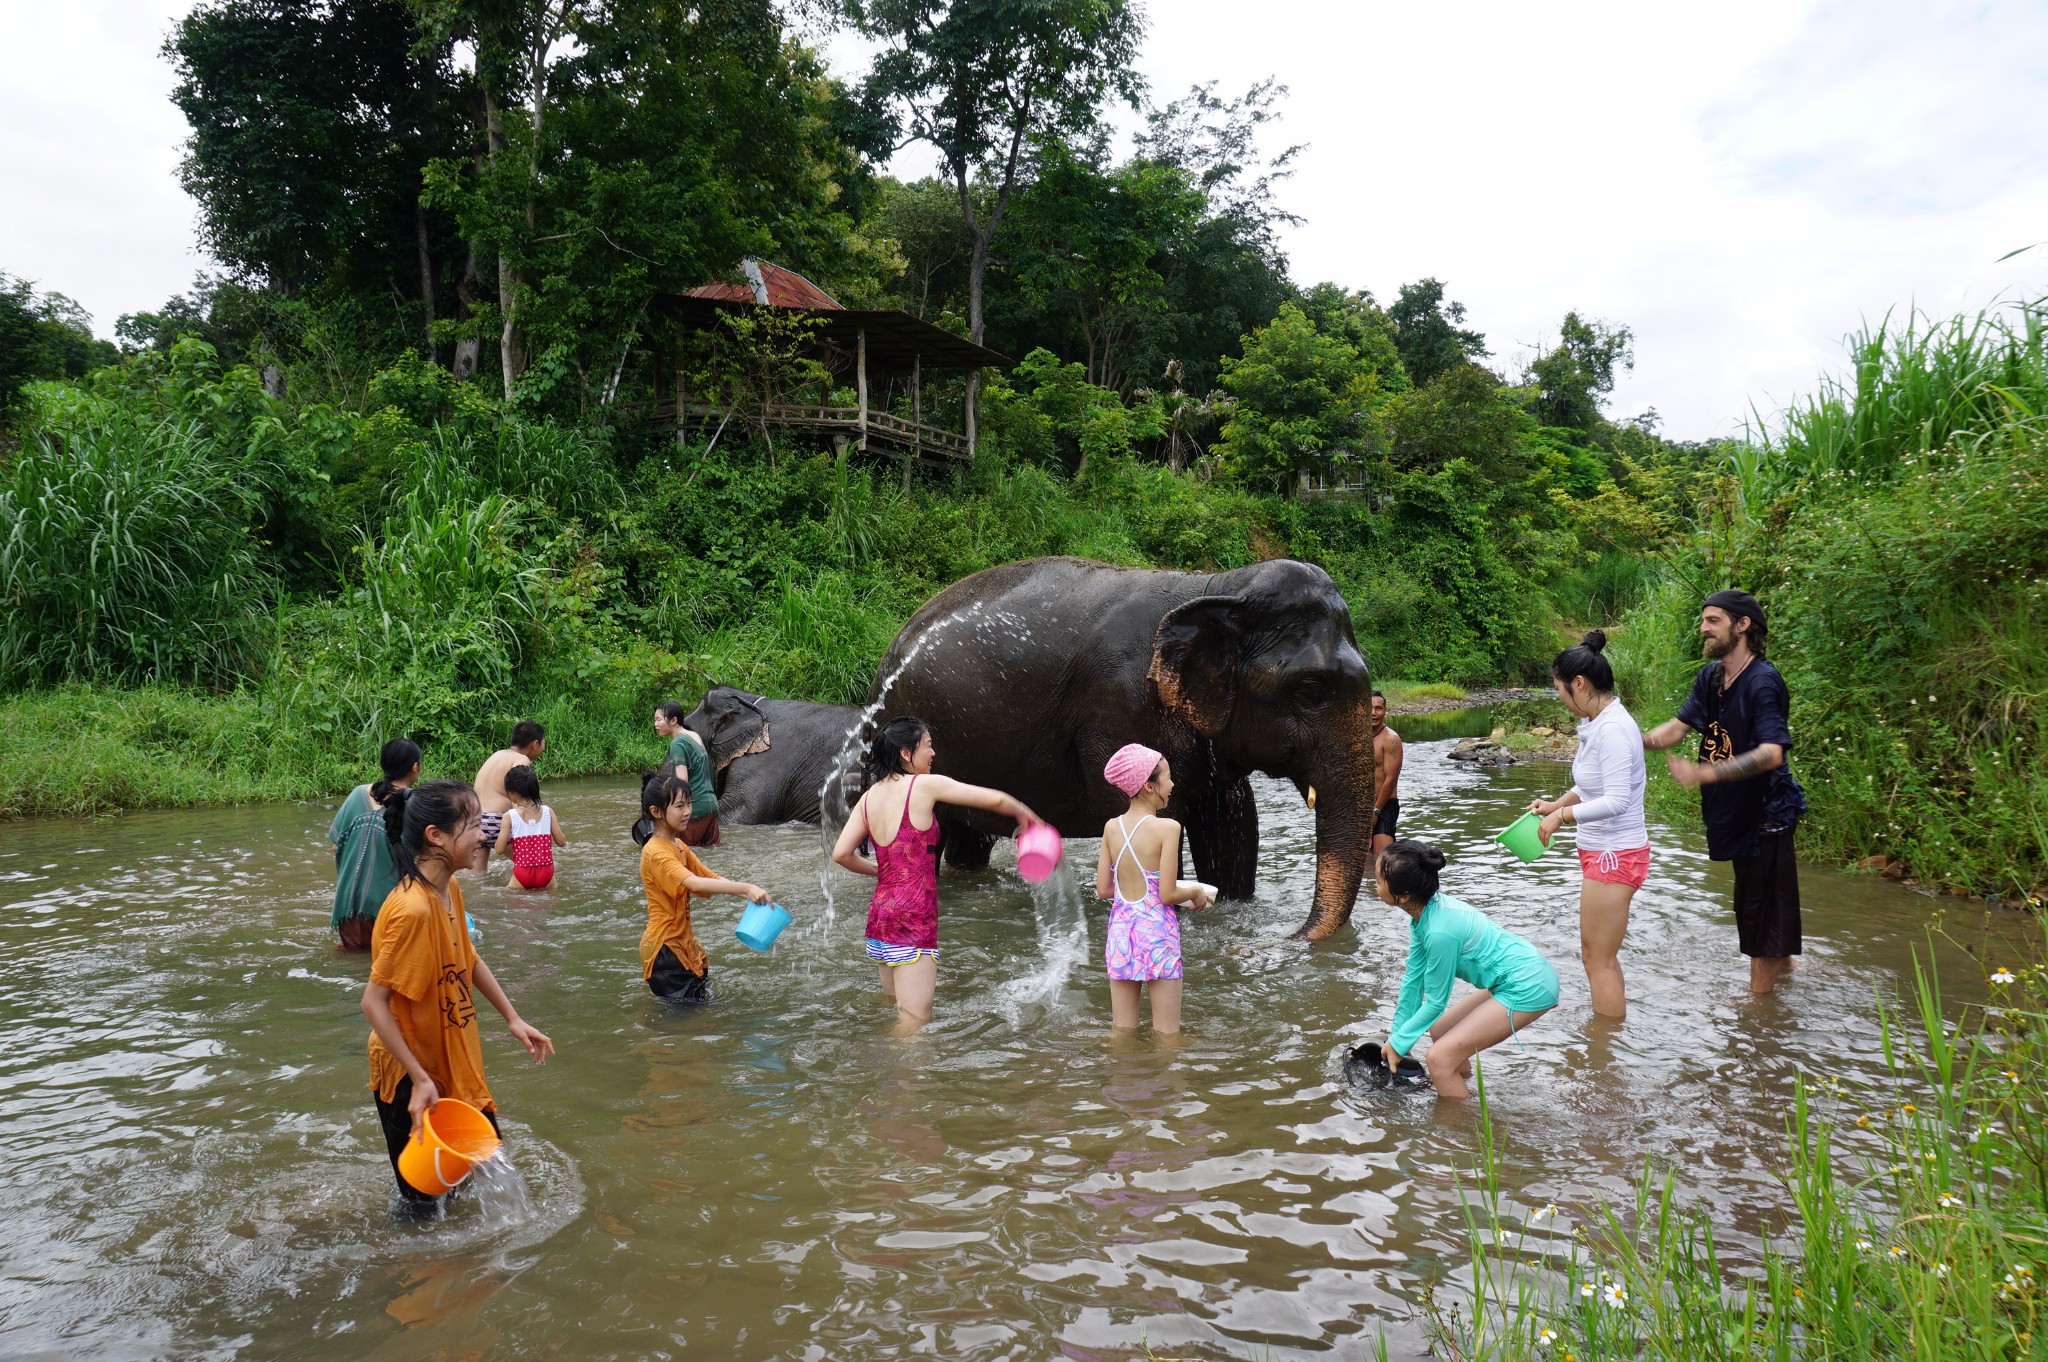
[671, 960]
[423, 1032]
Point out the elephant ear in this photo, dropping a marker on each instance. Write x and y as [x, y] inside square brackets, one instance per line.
[1195, 655]
[738, 729]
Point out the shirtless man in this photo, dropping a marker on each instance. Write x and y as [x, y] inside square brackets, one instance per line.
[529, 740]
[1386, 800]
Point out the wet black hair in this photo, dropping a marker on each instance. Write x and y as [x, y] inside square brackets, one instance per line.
[397, 758]
[1587, 659]
[658, 789]
[522, 783]
[1379, 695]
[1410, 870]
[526, 733]
[671, 710]
[885, 754]
[443, 804]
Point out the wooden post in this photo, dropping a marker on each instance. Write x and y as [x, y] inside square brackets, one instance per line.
[682, 415]
[916, 408]
[860, 379]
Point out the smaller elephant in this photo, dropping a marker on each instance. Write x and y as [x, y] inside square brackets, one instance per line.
[771, 756]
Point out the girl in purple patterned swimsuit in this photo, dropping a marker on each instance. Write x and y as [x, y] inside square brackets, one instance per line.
[903, 919]
[1139, 872]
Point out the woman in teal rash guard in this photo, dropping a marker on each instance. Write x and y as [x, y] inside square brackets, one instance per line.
[1451, 939]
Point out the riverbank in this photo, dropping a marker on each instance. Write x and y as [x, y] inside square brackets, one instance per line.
[83, 750]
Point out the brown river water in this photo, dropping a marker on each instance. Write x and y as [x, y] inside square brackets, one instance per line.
[191, 1167]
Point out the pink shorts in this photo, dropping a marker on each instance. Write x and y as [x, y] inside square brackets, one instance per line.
[1616, 867]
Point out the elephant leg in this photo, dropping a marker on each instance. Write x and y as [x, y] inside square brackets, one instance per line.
[967, 849]
[1223, 833]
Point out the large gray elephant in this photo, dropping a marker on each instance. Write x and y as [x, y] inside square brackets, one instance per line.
[771, 756]
[1033, 673]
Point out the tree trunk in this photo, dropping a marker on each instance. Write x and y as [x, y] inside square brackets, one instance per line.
[426, 254]
[511, 359]
[469, 349]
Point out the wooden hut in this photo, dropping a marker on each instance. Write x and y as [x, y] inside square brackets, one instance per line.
[874, 345]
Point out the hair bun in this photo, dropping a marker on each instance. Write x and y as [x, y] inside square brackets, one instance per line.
[1596, 640]
[1433, 858]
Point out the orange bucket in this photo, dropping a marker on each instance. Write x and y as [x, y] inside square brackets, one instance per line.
[453, 1137]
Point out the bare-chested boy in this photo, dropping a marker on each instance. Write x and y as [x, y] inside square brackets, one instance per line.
[529, 740]
[1386, 799]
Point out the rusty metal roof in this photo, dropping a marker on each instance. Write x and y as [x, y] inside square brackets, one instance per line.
[769, 285]
[894, 339]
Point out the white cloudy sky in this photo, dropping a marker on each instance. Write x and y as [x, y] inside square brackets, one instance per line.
[1740, 183]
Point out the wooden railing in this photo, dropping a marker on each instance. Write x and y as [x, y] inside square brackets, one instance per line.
[883, 428]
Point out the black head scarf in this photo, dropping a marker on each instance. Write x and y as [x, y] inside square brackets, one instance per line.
[1740, 604]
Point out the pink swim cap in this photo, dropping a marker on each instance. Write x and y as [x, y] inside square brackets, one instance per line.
[1131, 767]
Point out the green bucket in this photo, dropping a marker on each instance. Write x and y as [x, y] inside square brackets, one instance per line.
[1520, 837]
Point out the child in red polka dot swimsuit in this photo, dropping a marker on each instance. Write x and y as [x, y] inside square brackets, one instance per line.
[532, 829]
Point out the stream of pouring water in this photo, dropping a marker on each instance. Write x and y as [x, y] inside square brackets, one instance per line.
[1056, 903]
[500, 1192]
[831, 813]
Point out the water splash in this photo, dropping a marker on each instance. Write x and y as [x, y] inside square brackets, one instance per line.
[844, 771]
[1062, 920]
[499, 1192]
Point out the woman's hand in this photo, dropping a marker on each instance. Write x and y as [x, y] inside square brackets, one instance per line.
[537, 1045]
[1543, 808]
[1025, 817]
[424, 1095]
[1552, 821]
[755, 893]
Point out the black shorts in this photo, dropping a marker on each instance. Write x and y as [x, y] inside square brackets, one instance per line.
[673, 984]
[1389, 816]
[1767, 898]
[396, 1118]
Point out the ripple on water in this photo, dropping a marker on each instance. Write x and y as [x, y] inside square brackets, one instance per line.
[775, 1175]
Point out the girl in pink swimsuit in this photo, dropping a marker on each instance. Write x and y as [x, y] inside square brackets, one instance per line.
[903, 919]
[1139, 873]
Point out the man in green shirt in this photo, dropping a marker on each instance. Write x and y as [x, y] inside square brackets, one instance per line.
[688, 759]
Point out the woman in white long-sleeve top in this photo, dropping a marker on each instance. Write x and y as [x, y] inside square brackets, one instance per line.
[1606, 802]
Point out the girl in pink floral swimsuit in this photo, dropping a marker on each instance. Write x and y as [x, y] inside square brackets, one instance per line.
[903, 918]
[1139, 872]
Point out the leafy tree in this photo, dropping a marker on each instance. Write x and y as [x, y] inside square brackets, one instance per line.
[1098, 245]
[43, 335]
[1427, 333]
[922, 220]
[1463, 413]
[312, 123]
[631, 149]
[1572, 381]
[984, 81]
[1357, 320]
[1304, 402]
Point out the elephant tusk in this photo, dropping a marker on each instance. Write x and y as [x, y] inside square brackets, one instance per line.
[1311, 796]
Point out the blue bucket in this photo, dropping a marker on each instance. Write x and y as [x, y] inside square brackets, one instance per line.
[761, 924]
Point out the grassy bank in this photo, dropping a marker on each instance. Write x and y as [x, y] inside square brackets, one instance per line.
[1917, 1224]
[1896, 529]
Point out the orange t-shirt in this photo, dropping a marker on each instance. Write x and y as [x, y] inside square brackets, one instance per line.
[663, 865]
[420, 950]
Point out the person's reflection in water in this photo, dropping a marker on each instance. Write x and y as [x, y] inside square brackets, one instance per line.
[1147, 1089]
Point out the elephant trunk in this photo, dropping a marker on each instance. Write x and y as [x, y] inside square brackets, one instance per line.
[1344, 787]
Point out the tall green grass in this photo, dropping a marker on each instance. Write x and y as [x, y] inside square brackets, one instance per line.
[1917, 1224]
[126, 551]
[1897, 533]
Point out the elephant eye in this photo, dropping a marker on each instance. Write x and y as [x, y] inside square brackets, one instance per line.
[1312, 692]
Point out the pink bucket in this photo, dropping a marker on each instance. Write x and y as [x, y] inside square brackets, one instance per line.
[1038, 852]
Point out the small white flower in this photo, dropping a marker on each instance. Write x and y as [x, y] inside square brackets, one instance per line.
[2003, 976]
[1587, 1289]
[1950, 1199]
[1546, 1337]
[1615, 1296]
[1896, 1252]
[1863, 1246]
[1941, 1269]
[1541, 1212]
